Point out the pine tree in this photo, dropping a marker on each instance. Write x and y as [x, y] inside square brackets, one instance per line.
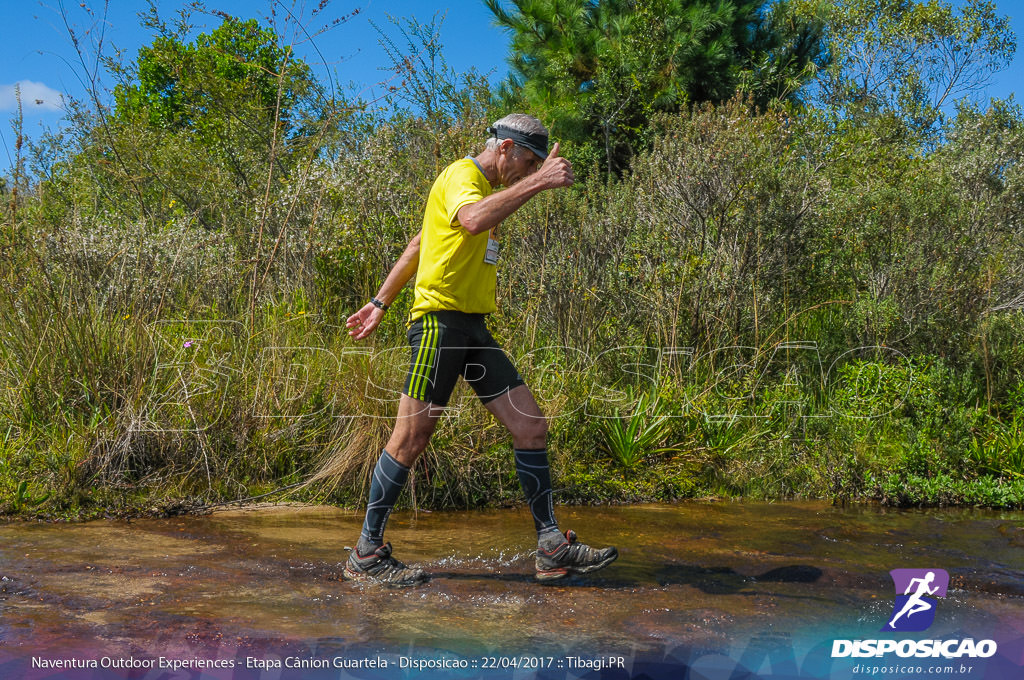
[599, 69]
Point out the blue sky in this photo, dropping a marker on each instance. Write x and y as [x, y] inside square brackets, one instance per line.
[36, 50]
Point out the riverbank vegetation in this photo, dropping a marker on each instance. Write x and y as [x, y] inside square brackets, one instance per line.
[801, 280]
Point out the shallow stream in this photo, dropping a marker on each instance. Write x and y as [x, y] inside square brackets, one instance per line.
[705, 576]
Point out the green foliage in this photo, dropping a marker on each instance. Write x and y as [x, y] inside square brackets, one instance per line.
[24, 500]
[191, 86]
[1001, 451]
[724, 203]
[828, 308]
[868, 389]
[908, 491]
[213, 155]
[910, 57]
[785, 53]
[630, 439]
[997, 447]
[599, 70]
[901, 236]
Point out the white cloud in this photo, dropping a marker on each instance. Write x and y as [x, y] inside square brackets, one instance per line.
[34, 97]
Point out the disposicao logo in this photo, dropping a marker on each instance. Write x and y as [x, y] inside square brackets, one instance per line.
[916, 590]
[914, 611]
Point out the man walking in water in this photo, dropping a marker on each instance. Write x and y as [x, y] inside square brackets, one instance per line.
[454, 257]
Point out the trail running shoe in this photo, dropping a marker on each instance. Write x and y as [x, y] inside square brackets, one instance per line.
[571, 557]
[380, 568]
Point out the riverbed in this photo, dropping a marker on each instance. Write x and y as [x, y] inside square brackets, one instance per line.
[693, 581]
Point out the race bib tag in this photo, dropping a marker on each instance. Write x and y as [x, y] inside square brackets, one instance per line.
[491, 256]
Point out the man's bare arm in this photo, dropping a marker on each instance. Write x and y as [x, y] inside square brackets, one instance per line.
[366, 320]
[403, 270]
[489, 212]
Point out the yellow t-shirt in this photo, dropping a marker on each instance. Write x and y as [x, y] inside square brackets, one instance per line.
[452, 273]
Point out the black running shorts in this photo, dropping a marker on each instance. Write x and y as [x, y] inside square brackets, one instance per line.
[448, 344]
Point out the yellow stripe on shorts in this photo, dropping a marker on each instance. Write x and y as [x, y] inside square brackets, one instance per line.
[424, 358]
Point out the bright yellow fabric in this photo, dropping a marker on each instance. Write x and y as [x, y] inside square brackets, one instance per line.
[452, 273]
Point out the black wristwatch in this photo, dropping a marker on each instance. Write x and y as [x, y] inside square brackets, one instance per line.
[378, 304]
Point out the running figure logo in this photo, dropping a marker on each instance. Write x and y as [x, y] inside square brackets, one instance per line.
[914, 609]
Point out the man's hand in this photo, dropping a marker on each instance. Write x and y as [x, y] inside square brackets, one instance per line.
[364, 321]
[556, 171]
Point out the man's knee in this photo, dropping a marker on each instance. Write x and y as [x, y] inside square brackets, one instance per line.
[534, 428]
[407, 443]
[420, 439]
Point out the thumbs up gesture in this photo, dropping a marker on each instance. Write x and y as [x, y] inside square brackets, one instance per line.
[556, 171]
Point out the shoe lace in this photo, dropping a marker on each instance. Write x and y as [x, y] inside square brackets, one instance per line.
[576, 552]
[386, 565]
